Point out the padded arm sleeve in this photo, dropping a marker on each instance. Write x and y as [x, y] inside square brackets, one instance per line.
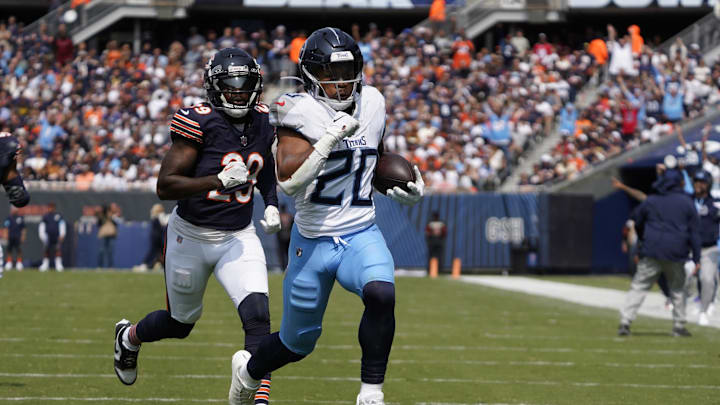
[311, 167]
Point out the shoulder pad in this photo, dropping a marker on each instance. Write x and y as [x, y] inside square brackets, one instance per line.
[186, 122]
[287, 111]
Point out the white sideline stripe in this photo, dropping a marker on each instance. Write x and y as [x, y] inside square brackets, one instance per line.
[653, 306]
[355, 379]
[458, 348]
[392, 361]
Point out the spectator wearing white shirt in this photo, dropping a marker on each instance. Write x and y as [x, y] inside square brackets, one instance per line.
[621, 56]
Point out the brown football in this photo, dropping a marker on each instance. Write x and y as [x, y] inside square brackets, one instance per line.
[392, 170]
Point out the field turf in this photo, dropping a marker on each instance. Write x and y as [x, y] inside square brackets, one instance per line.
[454, 344]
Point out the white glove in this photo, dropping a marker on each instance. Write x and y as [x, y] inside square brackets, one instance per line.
[417, 189]
[271, 223]
[233, 174]
[342, 126]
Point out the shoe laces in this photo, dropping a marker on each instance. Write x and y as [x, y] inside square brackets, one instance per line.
[129, 358]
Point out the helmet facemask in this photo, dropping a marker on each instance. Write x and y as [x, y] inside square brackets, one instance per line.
[342, 70]
[235, 93]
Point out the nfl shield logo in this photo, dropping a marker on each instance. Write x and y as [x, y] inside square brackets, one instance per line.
[243, 140]
[298, 252]
[179, 239]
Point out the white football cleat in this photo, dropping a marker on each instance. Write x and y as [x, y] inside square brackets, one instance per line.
[8, 265]
[58, 264]
[241, 394]
[373, 398]
[45, 265]
[125, 360]
[703, 319]
[19, 266]
[711, 309]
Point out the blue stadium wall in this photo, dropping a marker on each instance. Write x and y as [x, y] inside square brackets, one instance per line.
[487, 232]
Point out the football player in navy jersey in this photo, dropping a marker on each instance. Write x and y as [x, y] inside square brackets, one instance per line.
[221, 151]
[9, 175]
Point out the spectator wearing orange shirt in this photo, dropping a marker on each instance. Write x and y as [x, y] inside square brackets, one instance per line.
[437, 15]
[636, 40]
[296, 46]
[463, 49]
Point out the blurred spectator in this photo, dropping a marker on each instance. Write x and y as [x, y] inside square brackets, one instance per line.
[435, 234]
[63, 44]
[621, 54]
[107, 233]
[520, 43]
[15, 224]
[437, 15]
[636, 40]
[52, 231]
[158, 222]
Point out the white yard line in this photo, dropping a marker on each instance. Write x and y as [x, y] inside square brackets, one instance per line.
[453, 348]
[442, 381]
[487, 363]
[653, 306]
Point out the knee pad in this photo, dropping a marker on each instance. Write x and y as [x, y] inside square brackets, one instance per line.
[180, 330]
[254, 312]
[379, 295]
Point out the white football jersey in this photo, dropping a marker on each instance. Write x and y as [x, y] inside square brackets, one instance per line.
[339, 201]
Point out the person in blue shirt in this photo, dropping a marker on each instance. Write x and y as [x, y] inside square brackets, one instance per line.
[15, 223]
[52, 232]
[672, 105]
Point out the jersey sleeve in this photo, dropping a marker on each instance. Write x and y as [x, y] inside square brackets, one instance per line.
[286, 111]
[185, 124]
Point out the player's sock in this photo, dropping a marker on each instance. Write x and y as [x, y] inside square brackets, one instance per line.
[160, 325]
[254, 312]
[377, 329]
[271, 355]
[130, 340]
[366, 388]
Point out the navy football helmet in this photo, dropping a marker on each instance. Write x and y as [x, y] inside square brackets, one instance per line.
[233, 81]
[331, 56]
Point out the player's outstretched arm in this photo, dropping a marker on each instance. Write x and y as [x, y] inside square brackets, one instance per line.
[174, 181]
[14, 187]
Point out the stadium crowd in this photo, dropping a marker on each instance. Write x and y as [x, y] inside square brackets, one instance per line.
[645, 94]
[98, 118]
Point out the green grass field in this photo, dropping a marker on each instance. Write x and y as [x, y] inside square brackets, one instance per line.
[455, 344]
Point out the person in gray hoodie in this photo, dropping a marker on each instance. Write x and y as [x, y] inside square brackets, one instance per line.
[668, 226]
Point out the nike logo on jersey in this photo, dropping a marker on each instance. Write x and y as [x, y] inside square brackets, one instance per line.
[280, 104]
[186, 112]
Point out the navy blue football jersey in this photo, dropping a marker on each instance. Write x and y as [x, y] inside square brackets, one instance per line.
[15, 225]
[53, 221]
[219, 143]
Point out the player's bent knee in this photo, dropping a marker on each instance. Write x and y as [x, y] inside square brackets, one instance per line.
[180, 330]
[304, 340]
[254, 312]
[379, 294]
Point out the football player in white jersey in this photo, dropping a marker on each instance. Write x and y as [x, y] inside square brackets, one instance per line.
[329, 141]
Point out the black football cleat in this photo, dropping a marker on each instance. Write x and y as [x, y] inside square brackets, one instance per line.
[681, 332]
[624, 330]
[125, 359]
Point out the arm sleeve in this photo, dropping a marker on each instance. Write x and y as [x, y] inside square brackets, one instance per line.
[267, 181]
[62, 228]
